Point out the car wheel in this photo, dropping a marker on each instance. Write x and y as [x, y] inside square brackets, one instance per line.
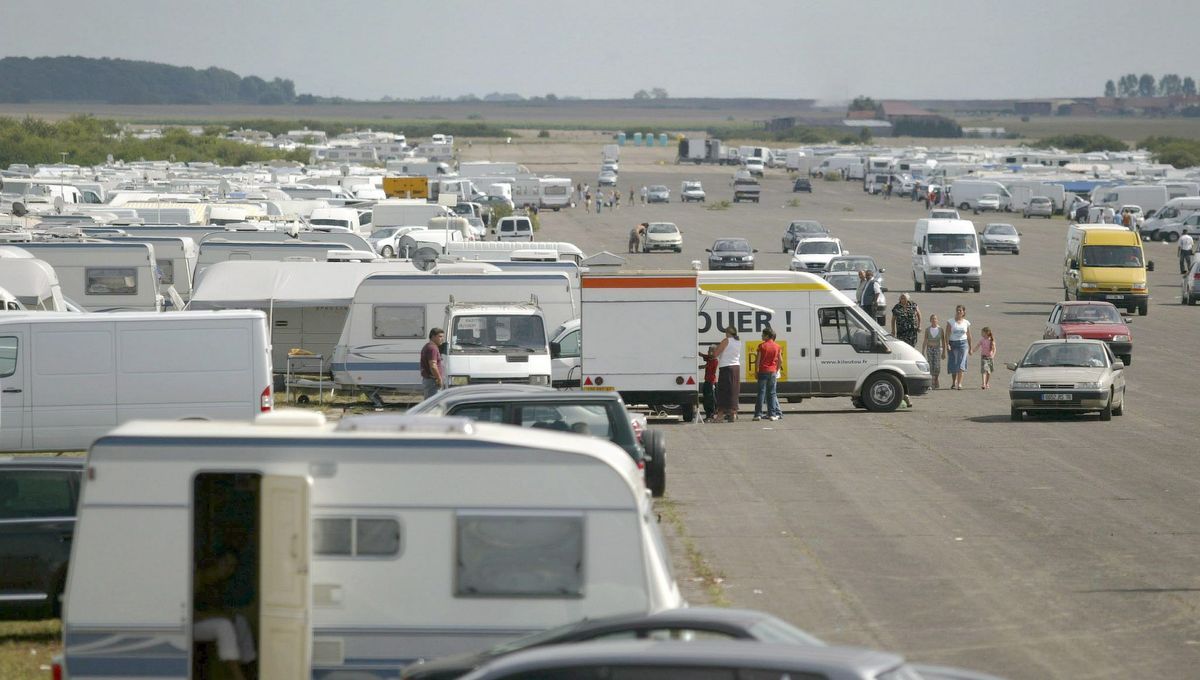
[688, 411]
[916, 285]
[965, 206]
[983, 251]
[882, 392]
[1106, 413]
[388, 251]
[1015, 414]
[1016, 251]
[1143, 308]
[1191, 300]
[1171, 237]
[1126, 359]
[1119, 409]
[974, 288]
[655, 446]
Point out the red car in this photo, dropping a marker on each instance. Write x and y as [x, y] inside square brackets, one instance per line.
[1092, 320]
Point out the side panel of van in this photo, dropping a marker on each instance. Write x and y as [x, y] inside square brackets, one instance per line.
[74, 384]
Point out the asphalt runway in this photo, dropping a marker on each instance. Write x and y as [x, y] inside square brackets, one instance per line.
[1051, 548]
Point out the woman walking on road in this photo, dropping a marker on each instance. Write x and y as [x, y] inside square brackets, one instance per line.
[958, 337]
[934, 347]
[729, 376]
[906, 320]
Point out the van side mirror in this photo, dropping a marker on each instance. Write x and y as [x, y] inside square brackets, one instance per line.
[1150, 265]
[920, 250]
[1073, 264]
[555, 350]
[708, 250]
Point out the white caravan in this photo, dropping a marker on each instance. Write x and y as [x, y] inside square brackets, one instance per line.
[830, 347]
[508, 250]
[364, 546]
[104, 276]
[965, 193]
[1148, 197]
[214, 251]
[351, 241]
[306, 302]
[31, 281]
[175, 257]
[399, 212]
[495, 323]
[69, 378]
[542, 192]
[169, 212]
[945, 253]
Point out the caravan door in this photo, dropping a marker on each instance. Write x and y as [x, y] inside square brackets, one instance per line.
[14, 394]
[285, 629]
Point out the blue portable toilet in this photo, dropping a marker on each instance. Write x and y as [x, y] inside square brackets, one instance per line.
[662, 139]
[637, 139]
[649, 139]
[620, 139]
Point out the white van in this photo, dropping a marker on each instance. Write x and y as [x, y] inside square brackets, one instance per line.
[1174, 211]
[362, 547]
[965, 193]
[514, 228]
[69, 378]
[946, 253]
[1148, 196]
[830, 347]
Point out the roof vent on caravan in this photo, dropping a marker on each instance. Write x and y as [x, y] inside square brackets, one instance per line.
[465, 268]
[352, 256]
[535, 255]
[404, 423]
[291, 417]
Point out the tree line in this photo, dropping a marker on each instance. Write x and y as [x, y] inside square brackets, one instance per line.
[1133, 85]
[122, 81]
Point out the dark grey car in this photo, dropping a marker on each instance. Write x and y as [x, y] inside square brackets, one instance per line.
[37, 522]
[799, 230]
[731, 253]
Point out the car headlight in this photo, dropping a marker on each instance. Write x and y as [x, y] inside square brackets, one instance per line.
[1087, 286]
[1139, 286]
[459, 380]
[923, 366]
[1120, 338]
[1087, 386]
[747, 258]
[1024, 385]
[973, 270]
[1074, 336]
[539, 380]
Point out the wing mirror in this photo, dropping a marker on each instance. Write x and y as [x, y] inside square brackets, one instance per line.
[755, 250]
[1073, 264]
[1118, 365]
[555, 350]
[1011, 366]
[1150, 266]
[1127, 319]
[920, 250]
[881, 271]
[708, 250]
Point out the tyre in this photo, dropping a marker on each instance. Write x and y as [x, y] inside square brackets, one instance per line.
[975, 287]
[1171, 237]
[1126, 359]
[916, 285]
[388, 251]
[882, 392]
[1016, 251]
[1106, 414]
[856, 402]
[1120, 408]
[965, 206]
[983, 251]
[688, 411]
[1015, 414]
[1191, 299]
[1143, 308]
[655, 446]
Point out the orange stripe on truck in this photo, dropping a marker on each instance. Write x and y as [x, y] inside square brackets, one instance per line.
[639, 282]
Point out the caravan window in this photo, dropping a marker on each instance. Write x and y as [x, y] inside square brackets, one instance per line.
[8, 356]
[399, 322]
[166, 271]
[356, 536]
[510, 555]
[111, 281]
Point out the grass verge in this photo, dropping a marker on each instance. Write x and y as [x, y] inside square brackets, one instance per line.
[710, 579]
[27, 647]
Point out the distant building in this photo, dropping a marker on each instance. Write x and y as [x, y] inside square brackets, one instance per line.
[897, 109]
[878, 128]
[1033, 108]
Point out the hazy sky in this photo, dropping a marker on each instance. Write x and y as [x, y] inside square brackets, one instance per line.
[732, 48]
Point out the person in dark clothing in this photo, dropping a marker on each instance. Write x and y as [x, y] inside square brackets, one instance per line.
[432, 378]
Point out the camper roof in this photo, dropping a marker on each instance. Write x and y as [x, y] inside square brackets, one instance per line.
[262, 283]
[72, 317]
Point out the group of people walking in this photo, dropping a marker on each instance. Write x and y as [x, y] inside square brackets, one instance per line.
[953, 343]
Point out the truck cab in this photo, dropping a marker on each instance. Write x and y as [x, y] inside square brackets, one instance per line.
[496, 344]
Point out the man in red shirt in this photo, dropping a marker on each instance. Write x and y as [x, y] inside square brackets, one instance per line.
[431, 363]
[768, 364]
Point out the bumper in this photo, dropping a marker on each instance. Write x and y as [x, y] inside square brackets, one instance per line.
[1001, 246]
[1034, 400]
[1118, 299]
[940, 279]
[917, 385]
[662, 245]
[730, 265]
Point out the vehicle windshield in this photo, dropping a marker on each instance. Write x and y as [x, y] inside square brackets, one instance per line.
[776, 630]
[1112, 256]
[950, 243]
[1091, 314]
[691, 186]
[808, 227]
[818, 248]
[327, 222]
[662, 228]
[1001, 229]
[853, 265]
[658, 187]
[511, 333]
[732, 244]
[843, 281]
[1040, 201]
[385, 232]
[1066, 354]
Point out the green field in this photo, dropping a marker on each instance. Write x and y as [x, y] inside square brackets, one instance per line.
[27, 647]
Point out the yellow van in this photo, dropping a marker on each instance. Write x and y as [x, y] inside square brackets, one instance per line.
[1106, 262]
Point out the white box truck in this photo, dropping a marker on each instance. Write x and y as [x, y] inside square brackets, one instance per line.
[66, 379]
[350, 550]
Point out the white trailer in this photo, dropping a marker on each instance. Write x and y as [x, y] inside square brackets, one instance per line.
[351, 241]
[400, 212]
[214, 251]
[542, 192]
[1148, 197]
[495, 323]
[506, 250]
[69, 378]
[102, 276]
[363, 546]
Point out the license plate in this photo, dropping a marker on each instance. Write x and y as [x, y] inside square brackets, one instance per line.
[1057, 397]
[1114, 297]
[954, 281]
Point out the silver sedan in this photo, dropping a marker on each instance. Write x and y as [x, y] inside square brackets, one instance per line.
[1078, 376]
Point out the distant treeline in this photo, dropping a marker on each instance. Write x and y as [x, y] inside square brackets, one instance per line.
[414, 130]
[89, 141]
[120, 81]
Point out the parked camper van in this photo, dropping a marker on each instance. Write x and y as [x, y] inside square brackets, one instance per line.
[104, 276]
[495, 322]
[1106, 262]
[463, 535]
[946, 253]
[69, 378]
[829, 346]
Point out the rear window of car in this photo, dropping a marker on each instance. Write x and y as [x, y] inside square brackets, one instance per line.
[37, 493]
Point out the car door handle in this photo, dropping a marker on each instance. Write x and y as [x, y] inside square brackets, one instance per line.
[12, 390]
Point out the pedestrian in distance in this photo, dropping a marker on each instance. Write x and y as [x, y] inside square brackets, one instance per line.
[709, 387]
[587, 201]
[767, 368]
[644, 192]
[958, 341]
[432, 376]
[599, 201]
[871, 291]
[987, 355]
[1187, 249]
[933, 345]
[729, 376]
[631, 196]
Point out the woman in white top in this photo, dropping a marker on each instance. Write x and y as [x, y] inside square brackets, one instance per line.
[729, 376]
[958, 338]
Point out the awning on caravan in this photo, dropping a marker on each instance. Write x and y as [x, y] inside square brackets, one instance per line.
[260, 284]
